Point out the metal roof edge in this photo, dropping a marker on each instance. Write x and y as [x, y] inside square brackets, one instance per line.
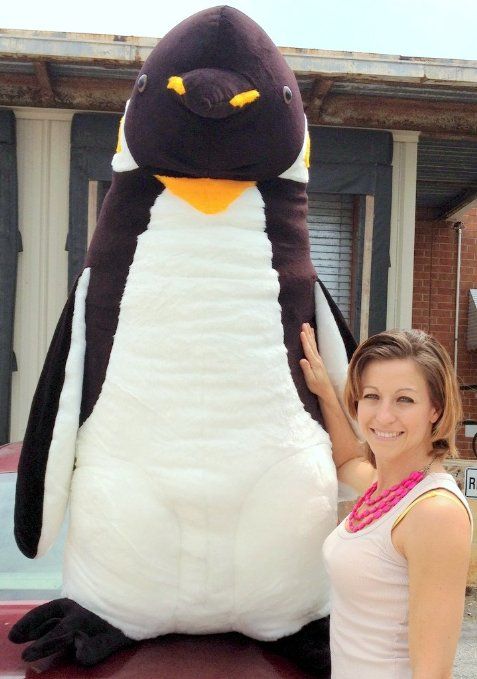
[49, 45]
[336, 64]
[74, 46]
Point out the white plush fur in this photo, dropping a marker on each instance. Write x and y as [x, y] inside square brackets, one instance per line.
[298, 172]
[333, 353]
[61, 455]
[330, 343]
[203, 490]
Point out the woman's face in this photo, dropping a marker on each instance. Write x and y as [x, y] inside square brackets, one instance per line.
[395, 413]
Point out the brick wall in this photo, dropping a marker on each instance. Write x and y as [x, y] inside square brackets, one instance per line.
[434, 297]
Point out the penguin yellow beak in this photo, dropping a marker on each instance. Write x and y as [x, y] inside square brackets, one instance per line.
[209, 196]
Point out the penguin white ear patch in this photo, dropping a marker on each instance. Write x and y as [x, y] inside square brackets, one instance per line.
[122, 159]
[298, 172]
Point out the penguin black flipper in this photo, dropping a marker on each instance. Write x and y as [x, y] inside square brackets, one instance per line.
[122, 219]
[76, 363]
[47, 455]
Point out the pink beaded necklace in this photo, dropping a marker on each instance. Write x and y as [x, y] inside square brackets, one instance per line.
[385, 501]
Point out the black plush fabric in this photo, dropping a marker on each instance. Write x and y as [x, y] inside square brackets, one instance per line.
[124, 216]
[36, 444]
[218, 53]
[63, 626]
[286, 206]
[165, 135]
[309, 648]
[122, 219]
[208, 91]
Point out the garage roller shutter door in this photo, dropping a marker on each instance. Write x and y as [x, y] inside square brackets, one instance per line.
[330, 221]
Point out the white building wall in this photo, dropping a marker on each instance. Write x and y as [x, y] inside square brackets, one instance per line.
[43, 155]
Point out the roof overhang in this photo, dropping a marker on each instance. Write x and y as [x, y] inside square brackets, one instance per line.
[437, 97]
[96, 72]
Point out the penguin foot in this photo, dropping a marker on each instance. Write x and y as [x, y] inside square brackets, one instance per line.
[63, 626]
[309, 648]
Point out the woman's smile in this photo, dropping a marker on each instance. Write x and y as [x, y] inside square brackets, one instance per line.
[386, 435]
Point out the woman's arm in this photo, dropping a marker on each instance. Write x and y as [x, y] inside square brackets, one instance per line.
[348, 451]
[435, 539]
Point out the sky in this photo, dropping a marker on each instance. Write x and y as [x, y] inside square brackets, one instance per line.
[423, 28]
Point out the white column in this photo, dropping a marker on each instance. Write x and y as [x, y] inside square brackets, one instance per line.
[403, 223]
[43, 155]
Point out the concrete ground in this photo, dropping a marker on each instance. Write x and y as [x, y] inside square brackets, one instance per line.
[465, 666]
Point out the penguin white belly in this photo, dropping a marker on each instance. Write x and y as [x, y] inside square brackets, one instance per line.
[203, 490]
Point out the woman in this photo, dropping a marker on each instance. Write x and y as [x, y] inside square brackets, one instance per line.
[398, 563]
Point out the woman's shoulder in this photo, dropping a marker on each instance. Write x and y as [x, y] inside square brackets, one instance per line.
[438, 496]
[436, 531]
[438, 504]
[438, 517]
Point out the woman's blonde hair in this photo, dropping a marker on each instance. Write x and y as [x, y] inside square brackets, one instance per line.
[436, 367]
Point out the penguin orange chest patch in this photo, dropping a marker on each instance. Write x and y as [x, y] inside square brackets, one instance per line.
[209, 196]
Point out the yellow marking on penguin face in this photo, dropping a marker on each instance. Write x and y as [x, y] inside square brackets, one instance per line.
[244, 98]
[176, 83]
[307, 150]
[209, 196]
[119, 147]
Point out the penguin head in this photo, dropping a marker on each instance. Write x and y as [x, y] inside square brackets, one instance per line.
[215, 99]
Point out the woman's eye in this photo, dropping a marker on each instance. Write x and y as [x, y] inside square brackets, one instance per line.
[370, 396]
[405, 399]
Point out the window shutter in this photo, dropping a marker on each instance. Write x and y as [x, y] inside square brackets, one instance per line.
[330, 222]
[10, 244]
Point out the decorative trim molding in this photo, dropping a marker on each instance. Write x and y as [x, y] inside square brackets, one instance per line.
[30, 113]
[403, 224]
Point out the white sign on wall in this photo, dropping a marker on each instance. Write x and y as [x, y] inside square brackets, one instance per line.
[471, 482]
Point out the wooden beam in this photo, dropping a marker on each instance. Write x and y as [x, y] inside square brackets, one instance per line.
[429, 117]
[318, 94]
[44, 81]
[81, 93]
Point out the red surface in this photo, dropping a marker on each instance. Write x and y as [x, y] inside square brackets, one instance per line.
[9, 455]
[227, 656]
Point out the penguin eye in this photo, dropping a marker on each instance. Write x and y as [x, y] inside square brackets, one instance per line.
[287, 94]
[142, 82]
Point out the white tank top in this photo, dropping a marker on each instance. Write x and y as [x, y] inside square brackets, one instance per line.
[369, 593]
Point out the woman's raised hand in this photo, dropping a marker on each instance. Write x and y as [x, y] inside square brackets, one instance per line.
[316, 376]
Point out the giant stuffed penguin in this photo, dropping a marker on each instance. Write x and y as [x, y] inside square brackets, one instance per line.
[172, 414]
